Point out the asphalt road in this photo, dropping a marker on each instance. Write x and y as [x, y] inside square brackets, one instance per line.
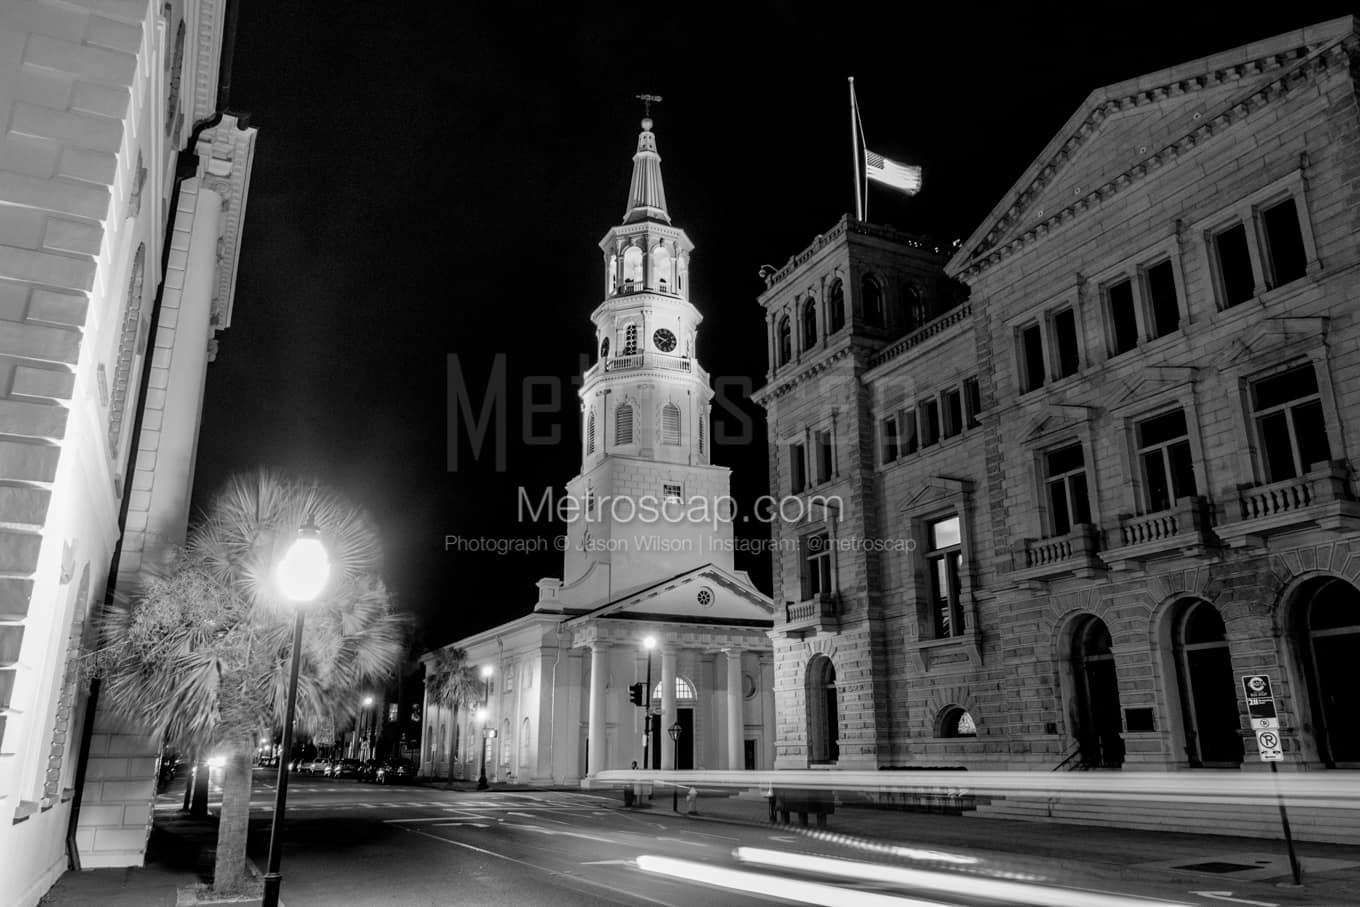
[348, 843]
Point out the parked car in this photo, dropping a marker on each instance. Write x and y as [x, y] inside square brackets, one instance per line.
[395, 771]
[314, 766]
[343, 768]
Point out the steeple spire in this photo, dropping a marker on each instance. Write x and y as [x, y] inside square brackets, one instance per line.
[646, 195]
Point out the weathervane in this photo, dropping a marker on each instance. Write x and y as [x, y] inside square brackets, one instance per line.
[647, 100]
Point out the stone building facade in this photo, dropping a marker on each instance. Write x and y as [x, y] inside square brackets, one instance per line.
[1125, 466]
[647, 554]
[115, 273]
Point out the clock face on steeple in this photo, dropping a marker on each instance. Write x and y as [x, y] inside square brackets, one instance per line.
[664, 340]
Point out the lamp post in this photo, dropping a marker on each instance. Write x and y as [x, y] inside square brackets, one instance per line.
[301, 576]
[649, 643]
[481, 779]
[361, 730]
[674, 731]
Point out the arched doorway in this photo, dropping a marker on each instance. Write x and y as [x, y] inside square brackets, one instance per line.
[682, 747]
[823, 719]
[1328, 626]
[1208, 692]
[1098, 718]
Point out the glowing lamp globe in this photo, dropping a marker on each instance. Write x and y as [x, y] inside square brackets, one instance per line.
[306, 567]
[650, 642]
[487, 671]
[481, 716]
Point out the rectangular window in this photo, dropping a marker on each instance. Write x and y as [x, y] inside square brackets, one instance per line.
[1165, 461]
[1123, 317]
[1285, 257]
[972, 402]
[1065, 338]
[816, 565]
[1290, 428]
[825, 466]
[1031, 358]
[797, 468]
[906, 422]
[930, 422]
[1065, 477]
[888, 434]
[671, 491]
[1159, 284]
[952, 412]
[1235, 279]
[943, 559]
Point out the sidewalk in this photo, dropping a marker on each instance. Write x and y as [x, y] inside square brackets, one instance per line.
[1068, 853]
[178, 854]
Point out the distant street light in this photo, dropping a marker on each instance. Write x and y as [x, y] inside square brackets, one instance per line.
[301, 576]
[481, 780]
[674, 731]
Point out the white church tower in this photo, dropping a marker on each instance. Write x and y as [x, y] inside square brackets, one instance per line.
[645, 412]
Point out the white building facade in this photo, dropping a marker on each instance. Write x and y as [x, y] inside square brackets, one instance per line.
[648, 556]
[115, 273]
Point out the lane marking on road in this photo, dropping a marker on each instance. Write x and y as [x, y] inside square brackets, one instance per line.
[683, 841]
[522, 815]
[1227, 896]
[627, 893]
[569, 834]
[459, 825]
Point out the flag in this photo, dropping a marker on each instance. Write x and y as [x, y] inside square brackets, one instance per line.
[900, 176]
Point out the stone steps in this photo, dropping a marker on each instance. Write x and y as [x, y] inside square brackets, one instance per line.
[1307, 823]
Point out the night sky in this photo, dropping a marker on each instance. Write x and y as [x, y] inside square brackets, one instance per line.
[433, 179]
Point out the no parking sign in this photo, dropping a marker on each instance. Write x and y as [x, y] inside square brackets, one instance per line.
[1264, 720]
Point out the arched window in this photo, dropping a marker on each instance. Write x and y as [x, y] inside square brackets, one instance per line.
[957, 722]
[703, 417]
[682, 275]
[1099, 721]
[823, 719]
[623, 424]
[661, 269]
[835, 307]
[590, 432]
[632, 269]
[176, 68]
[915, 307]
[872, 295]
[809, 323]
[1328, 632]
[604, 348]
[785, 341]
[630, 340]
[1208, 688]
[670, 424]
[684, 690]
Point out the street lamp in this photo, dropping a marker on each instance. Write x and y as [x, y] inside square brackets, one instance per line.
[362, 731]
[301, 576]
[648, 643]
[481, 780]
[674, 731]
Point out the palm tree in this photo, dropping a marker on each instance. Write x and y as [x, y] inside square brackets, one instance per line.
[202, 653]
[453, 684]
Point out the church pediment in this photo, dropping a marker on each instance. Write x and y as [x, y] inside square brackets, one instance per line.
[1275, 335]
[1123, 132]
[708, 593]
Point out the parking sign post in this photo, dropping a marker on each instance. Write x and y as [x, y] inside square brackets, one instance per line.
[1266, 723]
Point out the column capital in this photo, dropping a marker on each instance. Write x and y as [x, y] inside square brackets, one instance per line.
[600, 645]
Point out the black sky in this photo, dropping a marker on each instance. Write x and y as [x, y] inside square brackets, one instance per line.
[432, 181]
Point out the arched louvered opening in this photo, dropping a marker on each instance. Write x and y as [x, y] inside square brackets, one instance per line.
[623, 424]
[590, 432]
[632, 269]
[630, 340]
[670, 424]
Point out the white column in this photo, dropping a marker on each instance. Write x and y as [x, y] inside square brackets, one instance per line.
[765, 683]
[668, 714]
[735, 721]
[599, 674]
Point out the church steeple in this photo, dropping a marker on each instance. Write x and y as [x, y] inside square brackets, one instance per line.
[646, 194]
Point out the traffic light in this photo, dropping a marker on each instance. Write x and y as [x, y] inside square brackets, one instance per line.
[636, 692]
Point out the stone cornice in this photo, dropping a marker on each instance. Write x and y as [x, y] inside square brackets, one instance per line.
[208, 22]
[1293, 68]
[848, 225]
[226, 153]
[959, 315]
[776, 389]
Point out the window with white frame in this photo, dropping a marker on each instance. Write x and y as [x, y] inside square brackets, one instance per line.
[1291, 430]
[1066, 488]
[1164, 460]
[817, 566]
[943, 559]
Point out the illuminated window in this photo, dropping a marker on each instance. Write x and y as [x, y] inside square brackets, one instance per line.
[683, 689]
[943, 560]
[957, 722]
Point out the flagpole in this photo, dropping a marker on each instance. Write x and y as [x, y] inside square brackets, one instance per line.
[854, 147]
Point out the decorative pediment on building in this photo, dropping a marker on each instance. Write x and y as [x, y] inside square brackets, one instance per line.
[1152, 383]
[1277, 335]
[1059, 419]
[705, 594]
[938, 491]
[1123, 132]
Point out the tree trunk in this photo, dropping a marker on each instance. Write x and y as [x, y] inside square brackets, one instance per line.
[229, 870]
[198, 802]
